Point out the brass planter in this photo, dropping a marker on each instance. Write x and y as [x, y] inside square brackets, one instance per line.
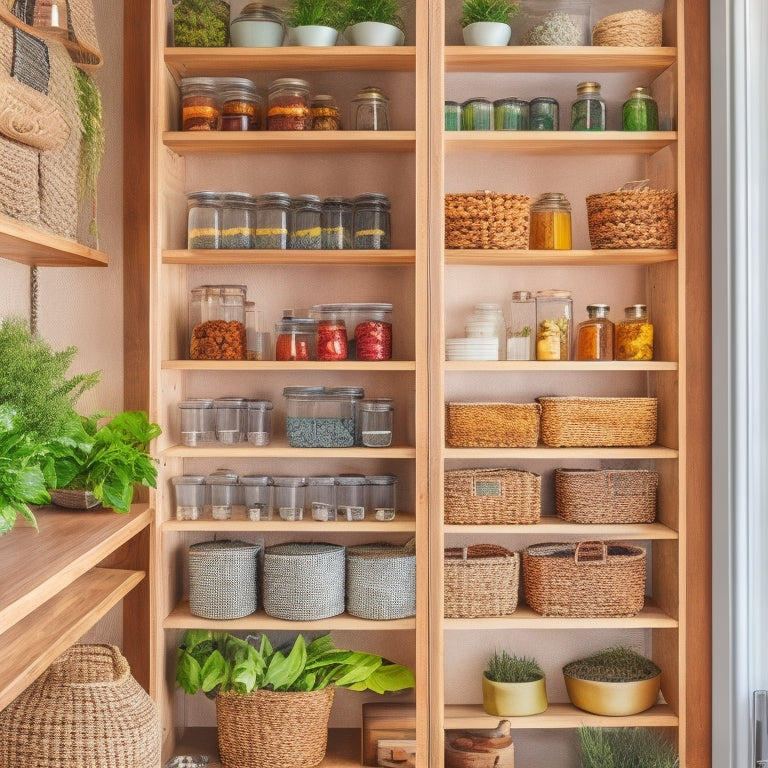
[514, 699]
[613, 699]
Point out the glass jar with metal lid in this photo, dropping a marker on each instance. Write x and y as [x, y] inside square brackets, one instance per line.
[634, 334]
[238, 220]
[554, 313]
[370, 110]
[320, 418]
[305, 230]
[200, 104]
[522, 321]
[242, 107]
[350, 497]
[594, 336]
[371, 221]
[258, 26]
[477, 115]
[336, 223]
[325, 113]
[544, 114]
[296, 339]
[640, 111]
[550, 226]
[511, 115]
[588, 111]
[272, 215]
[288, 106]
[321, 498]
[203, 220]
[217, 323]
[381, 501]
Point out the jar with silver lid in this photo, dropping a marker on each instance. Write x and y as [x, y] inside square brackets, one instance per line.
[231, 420]
[242, 108]
[381, 497]
[373, 422]
[289, 497]
[257, 496]
[190, 496]
[511, 115]
[321, 498]
[272, 214]
[258, 26]
[203, 220]
[588, 111]
[336, 223]
[289, 106]
[238, 219]
[198, 421]
[325, 113]
[223, 486]
[350, 497]
[200, 104]
[305, 230]
[371, 222]
[370, 110]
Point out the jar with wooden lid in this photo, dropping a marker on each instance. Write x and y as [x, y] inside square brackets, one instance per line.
[594, 336]
[550, 223]
[634, 334]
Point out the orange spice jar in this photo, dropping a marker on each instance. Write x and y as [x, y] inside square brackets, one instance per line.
[594, 336]
[550, 222]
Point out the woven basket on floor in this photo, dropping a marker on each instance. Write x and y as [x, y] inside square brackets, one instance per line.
[273, 729]
[493, 496]
[598, 421]
[84, 711]
[606, 495]
[492, 425]
[73, 499]
[480, 580]
[632, 218]
[638, 28]
[587, 579]
[487, 220]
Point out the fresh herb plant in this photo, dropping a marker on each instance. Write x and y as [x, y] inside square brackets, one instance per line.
[324, 13]
[616, 665]
[625, 748]
[200, 23]
[383, 11]
[508, 668]
[487, 10]
[211, 661]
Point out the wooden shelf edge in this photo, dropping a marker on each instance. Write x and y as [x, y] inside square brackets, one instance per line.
[550, 524]
[545, 452]
[287, 366]
[280, 449]
[32, 643]
[472, 257]
[282, 258]
[546, 366]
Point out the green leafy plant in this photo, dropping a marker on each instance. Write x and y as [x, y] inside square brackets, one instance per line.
[92, 140]
[200, 23]
[383, 11]
[625, 748]
[508, 668]
[211, 661]
[324, 13]
[501, 11]
[614, 665]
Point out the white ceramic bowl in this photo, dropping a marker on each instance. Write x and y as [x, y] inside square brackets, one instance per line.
[252, 33]
[487, 33]
[374, 33]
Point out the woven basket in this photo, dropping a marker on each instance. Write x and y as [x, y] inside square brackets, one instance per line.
[638, 28]
[381, 581]
[273, 729]
[73, 499]
[487, 220]
[491, 497]
[480, 580]
[492, 425]
[304, 581]
[587, 579]
[84, 711]
[598, 421]
[223, 579]
[641, 218]
[606, 495]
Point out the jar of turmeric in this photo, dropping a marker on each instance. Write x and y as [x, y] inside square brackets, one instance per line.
[594, 336]
[634, 334]
[550, 222]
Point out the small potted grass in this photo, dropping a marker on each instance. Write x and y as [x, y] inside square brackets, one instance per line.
[314, 22]
[487, 22]
[513, 686]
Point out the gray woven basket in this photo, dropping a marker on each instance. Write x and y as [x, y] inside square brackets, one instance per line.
[381, 581]
[223, 581]
[304, 581]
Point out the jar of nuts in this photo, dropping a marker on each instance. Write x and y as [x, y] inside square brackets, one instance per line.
[217, 323]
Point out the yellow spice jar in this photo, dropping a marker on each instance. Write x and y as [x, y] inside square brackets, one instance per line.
[550, 222]
[634, 335]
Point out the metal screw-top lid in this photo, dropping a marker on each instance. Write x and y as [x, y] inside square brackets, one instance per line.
[288, 83]
[641, 92]
[598, 310]
[371, 93]
[588, 87]
[635, 311]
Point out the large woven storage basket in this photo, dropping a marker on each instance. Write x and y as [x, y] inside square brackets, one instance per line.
[492, 425]
[598, 421]
[223, 579]
[640, 218]
[381, 581]
[273, 729]
[492, 496]
[85, 711]
[487, 220]
[304, 581]
[636, 28]
[480, 580]
[606, 495]
[587, 579]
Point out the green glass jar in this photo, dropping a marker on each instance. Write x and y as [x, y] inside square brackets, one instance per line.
[588, 111]
[640, 111]
[511, 115]
[477, 115]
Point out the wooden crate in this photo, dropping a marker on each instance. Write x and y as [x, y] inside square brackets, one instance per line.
[385, 721]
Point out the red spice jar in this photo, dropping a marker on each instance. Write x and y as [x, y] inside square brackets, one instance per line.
[288, 106]
[331, 340]
[296, 339]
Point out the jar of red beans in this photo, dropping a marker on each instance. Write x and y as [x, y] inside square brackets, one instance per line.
[289, 105]
[373, 333]
[296, 339]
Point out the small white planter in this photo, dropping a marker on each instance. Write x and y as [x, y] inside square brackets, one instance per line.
[313, 35]
[249, 33]
[374, 33]
[487, 33]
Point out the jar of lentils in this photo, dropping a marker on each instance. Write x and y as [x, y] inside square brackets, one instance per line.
[272, 212]
[203, 220]
[305, 230]
[371, 221]
[238, 219]
[336, 223]
[289, 105]
[242, 107]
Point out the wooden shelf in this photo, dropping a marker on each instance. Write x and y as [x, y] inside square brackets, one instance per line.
[563, 454]
[26, 245]
[551, 525]
[575, 258]
[279, 449]
[373, 258]
[286, 366]
[548, 366]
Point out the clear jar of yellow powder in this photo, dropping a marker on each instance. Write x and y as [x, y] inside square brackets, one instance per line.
[550, 222]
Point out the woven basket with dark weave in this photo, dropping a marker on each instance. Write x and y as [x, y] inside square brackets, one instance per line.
[73, 499]
[487, 220]
[586, 579]
[492, 425]
[637, 28]
[480, 580]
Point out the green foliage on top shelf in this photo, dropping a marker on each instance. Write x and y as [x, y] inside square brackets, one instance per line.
[200, 23]
[383, 11]
[324, 13]
[625, 748]
[508, 668]
[500, 11]
[613, 665]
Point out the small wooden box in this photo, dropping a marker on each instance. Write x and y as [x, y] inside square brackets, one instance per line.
[385, 721]
[396, 753]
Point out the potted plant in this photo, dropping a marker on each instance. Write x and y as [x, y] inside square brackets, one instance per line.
[373, 22]
[314, 22]
[616, 681]
[513, 686]
[287, 691]
[487, 22]
[625, 748]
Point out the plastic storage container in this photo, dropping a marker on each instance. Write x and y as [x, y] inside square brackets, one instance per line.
[257, 496]
[350, 498]
[259, 430]
[189, 491]
[331, 340]
[217, 323]
[371, 222]
[289, 495]
[289, 106]
[231, 420]
[321, 498]
[381, 501]
[522, 321]
[203, 220]
[554, 316]
[223, 489]
[200, 104]
[320, 418]
[373, 422]
[296, 339]
[198, 422]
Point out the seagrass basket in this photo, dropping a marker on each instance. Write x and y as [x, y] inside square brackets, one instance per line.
[480, 580]
[606, 495]
[71, 498]
[273, 729]
[598, 421]
[584, 579]
[636, 28]
[85, 711]
[487, 220]
[492, 496]
[492, 425]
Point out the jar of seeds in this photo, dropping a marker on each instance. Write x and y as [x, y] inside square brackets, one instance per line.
[203, 220]
[289, 105]
[238, 219]
[336, 223]
[371, 221]
[272, 212]
[200, 104]
[190, 496]
[325, 113]
[305, 230]
[259, 429]
[242, 107]
[198, 421]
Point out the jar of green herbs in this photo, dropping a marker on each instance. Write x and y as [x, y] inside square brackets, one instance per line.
[588, 111]
[640, 111]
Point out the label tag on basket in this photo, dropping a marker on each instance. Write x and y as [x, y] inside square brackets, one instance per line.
[487, 488]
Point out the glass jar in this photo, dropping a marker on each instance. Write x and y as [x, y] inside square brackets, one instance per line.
[242, 107]
[371, 221]
[492, 314]
[554, 313]
[198, 422]
[452, 113]
[223, 487]
[588, 111]
[258, 339]
[640, 112]
[320, 418]
[331, 340]
[296, 339]
[336, 223]
[594, 336]
[189, 491]
[238, 219]
[203, 220]
[350, 497]
[257, 496]
[288, 105]
[258, 26]
[272, 213]
[305, 231]
[231, 420]
[200, 104]
[550, 223]
[382, 493]
[370, 110]
[259, 429]
[477, 115]
[373, 422]
[522, 321]
[217, 320]
[634, 334]
[289, 494]
[511, 115]
[321, 498]
[325, 113]
[373, 335]
[544, 114]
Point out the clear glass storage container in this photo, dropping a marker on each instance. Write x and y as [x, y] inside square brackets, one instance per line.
[242, 107]
[223, 490]
[544, 112]
[511, 115]
[336, 223]
[296, 339]
[321, 498]
[238, 220]
[554, 316]
[374, 421]
[588, 111]
[350, 498]
[325, 113]
[200, 104]
[368, 327]
[231, 420]
[272, 214]
[289, 497]
[257, 496]
[520, 329]
[189, 491]
[634, 334]
[594, 336]
[197, 422]
[371, 222]
[550, 222]
[203, 220]
[289, 106]
[381, 503]
[370, 110]
[258, 339]
[259, 422]
[640, 111]
[305, 227]
[217, 323]
[477, 115]
[321, 418]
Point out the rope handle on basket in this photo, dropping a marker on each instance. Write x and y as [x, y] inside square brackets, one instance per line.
[634, 186]
[591, 552]
[478, 550]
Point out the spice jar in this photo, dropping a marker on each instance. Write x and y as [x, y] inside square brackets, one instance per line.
[350, 497]
[373, 422]
[594, 336]
[305, 231]
[331, 340]
[522, 321]
[371, 221]
[588, 111]
[217, 320]
[200, 104]
[289, 497]
[231, 420]
[288, 105]
[238, 219]
[477, 115]
[336, 223]
[190, 496]
[544, 114]
[325, 113]
[554, 310]
[634, 334]
[550, 222]
[198, 421]
[296, 339]
[511, 115]
[259, 429]
[258, 339]
[257, 496]
[370, 110]
[223, 487]
[321, 498]
[203, 220]
[272, 213]
[452, 116]
[640, 112]
[381, 497]
[242, 107]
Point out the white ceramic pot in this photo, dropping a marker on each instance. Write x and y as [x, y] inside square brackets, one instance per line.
[374, 33]
[248, 33]
[487, 33]
[313, 35]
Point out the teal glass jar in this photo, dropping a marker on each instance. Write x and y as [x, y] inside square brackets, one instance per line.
[477, 115]
[511, 115]
[544, 114]
[452, 116]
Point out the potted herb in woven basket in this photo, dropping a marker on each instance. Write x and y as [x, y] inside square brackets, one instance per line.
[486, 22]
[273, 705]
[513, 686]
